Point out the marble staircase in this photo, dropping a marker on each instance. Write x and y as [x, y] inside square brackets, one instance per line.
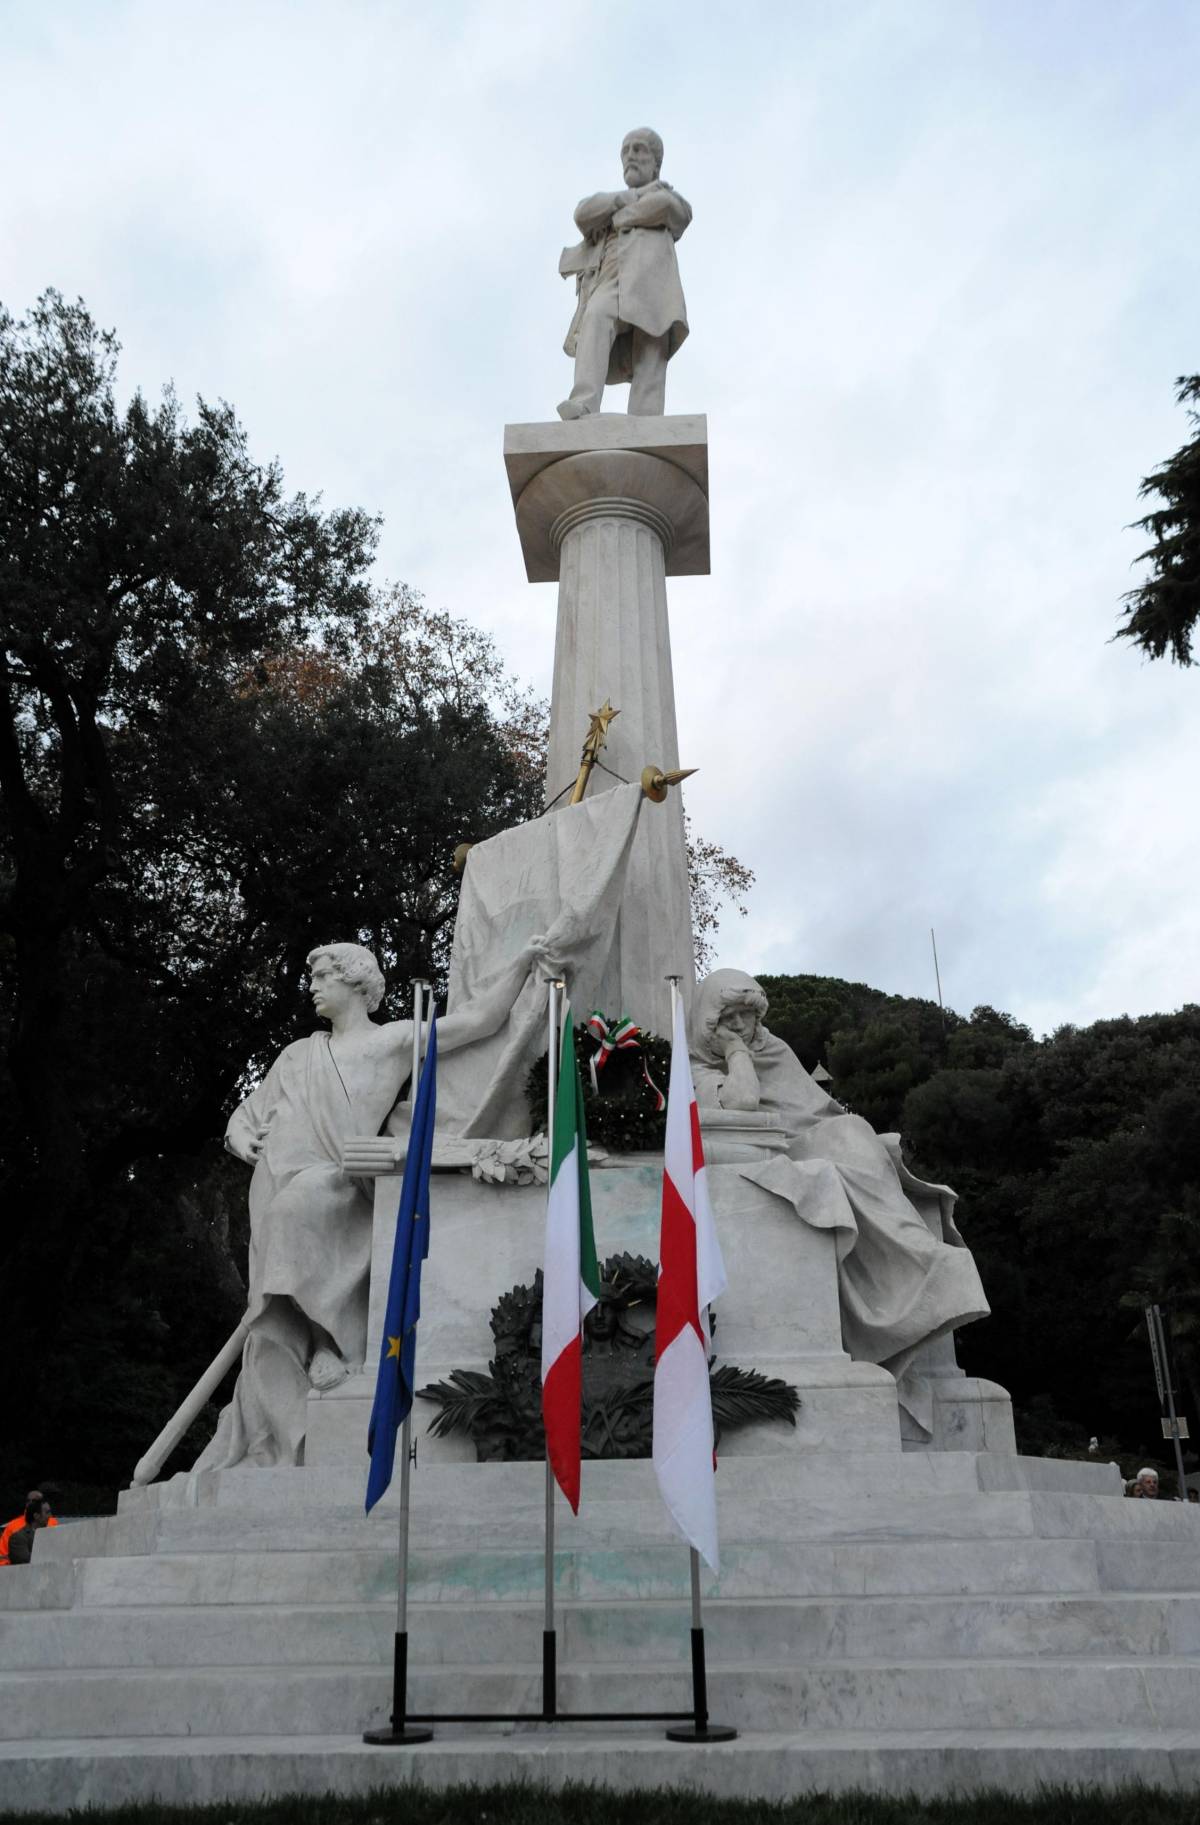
[893, 1620]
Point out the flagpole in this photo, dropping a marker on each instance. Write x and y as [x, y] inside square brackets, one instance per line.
[549, 1636]
[402, 1731]
[699, 1730]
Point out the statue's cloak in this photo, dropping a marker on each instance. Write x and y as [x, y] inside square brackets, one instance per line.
[310, 1252]
[561, 876]
[905, 1276]
[648, 285]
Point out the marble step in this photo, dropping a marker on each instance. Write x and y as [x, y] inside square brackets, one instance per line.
[1094, 1694]
[56, 1776]
[789, 1474]
[1147, 1565]
[489, 1524]
[959, 1515]
[789, 1569]
[776, 1633]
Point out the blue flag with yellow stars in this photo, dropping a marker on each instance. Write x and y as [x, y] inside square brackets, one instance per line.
[398, 1349]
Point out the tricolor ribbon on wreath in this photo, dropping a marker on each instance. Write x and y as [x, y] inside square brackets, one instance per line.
[618, 1036]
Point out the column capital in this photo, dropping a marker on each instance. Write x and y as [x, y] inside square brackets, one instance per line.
[610, 466]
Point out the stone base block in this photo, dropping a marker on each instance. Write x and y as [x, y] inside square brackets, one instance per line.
[969, 1414]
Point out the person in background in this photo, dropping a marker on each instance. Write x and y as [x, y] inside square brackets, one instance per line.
[20, 1545]
[14, 1526]
[1146, 1484]
[1193, 1495]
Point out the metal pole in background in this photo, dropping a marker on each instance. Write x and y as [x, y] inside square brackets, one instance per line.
[549, 1637]
[698, 1730]
[1166, 1385]
[938, 978]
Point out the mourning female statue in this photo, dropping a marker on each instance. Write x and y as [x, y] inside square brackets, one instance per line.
[310, 1222]
[905, 1276]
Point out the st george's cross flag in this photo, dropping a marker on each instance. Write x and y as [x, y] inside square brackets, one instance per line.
[570, 1274]
[398, 1346]
[691, 1275]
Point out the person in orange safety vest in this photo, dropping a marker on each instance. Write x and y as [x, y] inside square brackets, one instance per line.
[15, 1526]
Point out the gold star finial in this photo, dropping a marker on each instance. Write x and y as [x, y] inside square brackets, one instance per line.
[597, 735]
[595, 739]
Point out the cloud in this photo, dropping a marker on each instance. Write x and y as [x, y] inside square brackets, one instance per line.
[940, 283]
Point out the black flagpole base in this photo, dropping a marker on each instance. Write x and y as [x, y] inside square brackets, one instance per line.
[399, 1732]
[707, 1733]
[699, 1730]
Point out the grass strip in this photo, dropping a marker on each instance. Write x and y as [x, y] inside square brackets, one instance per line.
[523, 1803]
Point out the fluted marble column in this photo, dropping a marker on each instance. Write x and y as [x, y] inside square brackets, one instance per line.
[610, 517]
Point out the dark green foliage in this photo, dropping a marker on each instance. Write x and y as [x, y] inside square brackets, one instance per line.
[527, 1803]
[219, 745]
[501, 1411]
[622, 1118]
[879, 1047]
[1161, 614]
[1077, 1163]
[743, 1397]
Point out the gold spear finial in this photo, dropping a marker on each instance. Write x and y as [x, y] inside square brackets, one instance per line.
[595, 739]
[655, 780]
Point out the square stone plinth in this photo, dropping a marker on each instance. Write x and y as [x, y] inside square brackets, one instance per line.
[682, 440]
[591, 450]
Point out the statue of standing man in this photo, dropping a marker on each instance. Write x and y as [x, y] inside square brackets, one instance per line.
[630, 317]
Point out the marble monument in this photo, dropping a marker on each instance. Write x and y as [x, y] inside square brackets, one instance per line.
[629, 315]
[905, 1602]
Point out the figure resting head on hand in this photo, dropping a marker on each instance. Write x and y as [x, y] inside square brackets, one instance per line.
[727, 1016]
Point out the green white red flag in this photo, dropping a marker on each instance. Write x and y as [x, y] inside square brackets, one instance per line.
[691, 1274]
[570, 1274]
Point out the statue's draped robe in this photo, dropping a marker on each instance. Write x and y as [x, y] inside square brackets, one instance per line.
[561, 875]
[905, 1276]
[310, 1253]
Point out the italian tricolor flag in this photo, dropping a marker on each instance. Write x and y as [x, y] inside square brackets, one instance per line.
[570, 1276]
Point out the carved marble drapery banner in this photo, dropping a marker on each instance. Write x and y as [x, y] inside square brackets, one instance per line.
[562, 877]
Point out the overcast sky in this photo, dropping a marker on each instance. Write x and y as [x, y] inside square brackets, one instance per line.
[943, 271]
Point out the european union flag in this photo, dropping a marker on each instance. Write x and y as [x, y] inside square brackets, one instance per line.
[398, 1349]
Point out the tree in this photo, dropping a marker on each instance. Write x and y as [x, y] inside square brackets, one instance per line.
[714, 876]
[1077, 1163]
[219, 744]
[215, 743]
[1161, 614]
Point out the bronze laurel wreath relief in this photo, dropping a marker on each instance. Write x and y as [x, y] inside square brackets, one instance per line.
[501, 1412]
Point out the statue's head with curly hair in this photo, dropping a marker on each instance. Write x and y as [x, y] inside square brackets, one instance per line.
[352, 964]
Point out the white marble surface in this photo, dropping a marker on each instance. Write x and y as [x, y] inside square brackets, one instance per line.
[780, 1315]
[618, 484]
[861, 1595]
[679, 438]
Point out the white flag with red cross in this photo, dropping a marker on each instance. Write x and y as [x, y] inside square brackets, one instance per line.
[691, 1275]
